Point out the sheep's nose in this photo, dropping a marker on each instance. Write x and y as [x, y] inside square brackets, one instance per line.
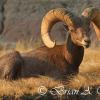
[87, 40]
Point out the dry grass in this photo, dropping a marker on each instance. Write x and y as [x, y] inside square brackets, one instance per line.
[89, 76]
[25, 86]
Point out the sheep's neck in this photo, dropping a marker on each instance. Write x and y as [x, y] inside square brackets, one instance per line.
[74, 52]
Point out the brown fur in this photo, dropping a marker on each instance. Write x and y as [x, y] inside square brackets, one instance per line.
[57, 62]
[10, 65]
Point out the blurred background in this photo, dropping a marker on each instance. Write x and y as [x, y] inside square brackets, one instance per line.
[20, 20]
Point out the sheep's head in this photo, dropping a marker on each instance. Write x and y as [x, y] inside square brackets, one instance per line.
[78, 27]
[80, 33]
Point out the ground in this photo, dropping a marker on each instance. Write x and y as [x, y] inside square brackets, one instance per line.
[28, 89]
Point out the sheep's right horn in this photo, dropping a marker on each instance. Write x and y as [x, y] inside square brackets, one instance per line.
[94, 15]
[52, 17]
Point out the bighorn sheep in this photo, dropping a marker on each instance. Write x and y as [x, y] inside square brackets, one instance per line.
[61, 60]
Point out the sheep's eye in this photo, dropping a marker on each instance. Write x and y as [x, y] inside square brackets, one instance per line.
[71, 30]
[65, 27]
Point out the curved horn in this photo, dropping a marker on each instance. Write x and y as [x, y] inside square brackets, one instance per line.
[52, 17]
[94, 15]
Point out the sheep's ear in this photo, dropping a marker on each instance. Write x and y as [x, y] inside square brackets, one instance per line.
[97, 30]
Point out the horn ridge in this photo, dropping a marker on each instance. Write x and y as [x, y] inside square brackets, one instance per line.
[52, 17]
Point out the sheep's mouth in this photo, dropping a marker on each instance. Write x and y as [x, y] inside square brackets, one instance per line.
[84, 44]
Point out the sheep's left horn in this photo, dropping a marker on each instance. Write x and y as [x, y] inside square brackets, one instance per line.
[94, 15]
[53, 16]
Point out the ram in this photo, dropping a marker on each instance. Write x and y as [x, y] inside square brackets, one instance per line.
[61, 60]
